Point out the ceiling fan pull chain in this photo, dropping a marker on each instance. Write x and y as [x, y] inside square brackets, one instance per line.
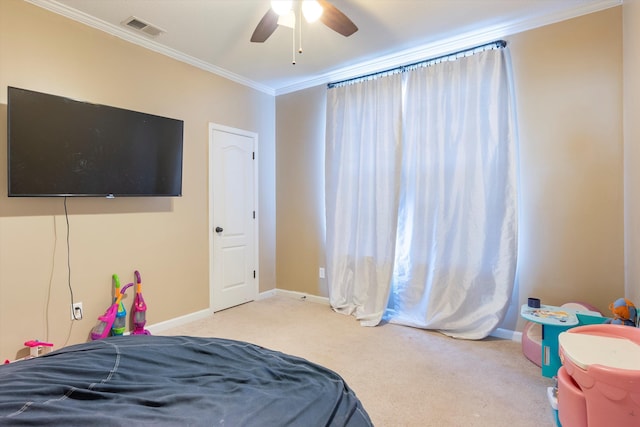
[300, 30]
[293, 47]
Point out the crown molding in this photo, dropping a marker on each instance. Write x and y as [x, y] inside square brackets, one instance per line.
[439, 48]
[449, 45]
[123, 33]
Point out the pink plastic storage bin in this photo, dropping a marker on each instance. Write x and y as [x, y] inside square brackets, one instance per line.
[602, 367]
[572, 407]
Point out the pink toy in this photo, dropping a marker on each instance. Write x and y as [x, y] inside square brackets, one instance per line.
[139, 310]
[103, 328]
[37, 347]
[36, 343]
[599, 382]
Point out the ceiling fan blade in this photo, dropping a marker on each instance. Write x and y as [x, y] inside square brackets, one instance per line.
[336, 20]
[265, 27]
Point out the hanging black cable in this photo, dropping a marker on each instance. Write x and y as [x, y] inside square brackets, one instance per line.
[403, 68]
[66, 216]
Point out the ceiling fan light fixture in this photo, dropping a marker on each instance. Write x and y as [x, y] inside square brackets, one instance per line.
[288, 20]
[282, 7]
[311, 10]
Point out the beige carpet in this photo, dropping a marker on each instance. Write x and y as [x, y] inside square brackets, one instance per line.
[403, 376]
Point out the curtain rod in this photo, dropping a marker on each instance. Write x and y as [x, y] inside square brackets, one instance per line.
[403, 68]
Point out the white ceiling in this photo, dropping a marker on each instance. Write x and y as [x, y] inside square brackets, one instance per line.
[214, 34]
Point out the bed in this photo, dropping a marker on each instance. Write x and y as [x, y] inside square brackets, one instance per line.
[183, 381]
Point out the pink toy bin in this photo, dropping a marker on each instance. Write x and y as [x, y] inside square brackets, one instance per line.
[572, 407]
[599, 382]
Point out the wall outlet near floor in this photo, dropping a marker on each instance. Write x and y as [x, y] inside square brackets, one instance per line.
[76, 311]
[321, 272]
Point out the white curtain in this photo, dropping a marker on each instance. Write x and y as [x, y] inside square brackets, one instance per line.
[421, 200]
[457, 224]
[362, 176]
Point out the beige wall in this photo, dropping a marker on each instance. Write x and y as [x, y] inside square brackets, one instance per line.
[569, 98]
[632, 148]
[165, 238]
[300, 241]
[569, 86]
[569, 103]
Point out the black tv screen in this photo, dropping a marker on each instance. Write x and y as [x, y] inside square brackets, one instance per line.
[62, 147]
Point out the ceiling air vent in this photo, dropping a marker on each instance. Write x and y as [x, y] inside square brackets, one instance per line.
[142, 26]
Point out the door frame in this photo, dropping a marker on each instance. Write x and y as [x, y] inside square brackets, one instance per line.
[221, 128]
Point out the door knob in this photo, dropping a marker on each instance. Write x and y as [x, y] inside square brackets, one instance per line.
[219, 229]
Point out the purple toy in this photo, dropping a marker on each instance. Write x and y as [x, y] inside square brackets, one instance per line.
[139, 309]
[105, 322]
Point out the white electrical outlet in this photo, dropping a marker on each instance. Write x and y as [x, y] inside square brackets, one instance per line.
[76, 311]
[321, 272]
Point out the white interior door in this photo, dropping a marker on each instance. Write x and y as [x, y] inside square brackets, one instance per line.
[232, 217]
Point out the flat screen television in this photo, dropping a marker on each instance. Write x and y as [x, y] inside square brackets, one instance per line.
[62, 147]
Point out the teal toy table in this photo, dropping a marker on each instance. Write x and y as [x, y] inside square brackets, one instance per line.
[555, 320]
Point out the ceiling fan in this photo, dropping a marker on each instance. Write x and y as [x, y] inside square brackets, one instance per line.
[328, 14]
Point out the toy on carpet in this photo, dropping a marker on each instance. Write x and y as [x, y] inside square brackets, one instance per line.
[624, 312]
[139, 309]
[119, 323]
[532, 334]
[113, 321]
[38, 348]
[105, 322]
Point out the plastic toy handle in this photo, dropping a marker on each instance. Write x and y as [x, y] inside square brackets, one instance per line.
[121, 294]
[138, 279]
[36, 343]
[116, 281]
[127, 286]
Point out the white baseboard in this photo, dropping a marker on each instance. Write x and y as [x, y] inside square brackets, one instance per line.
[267, 294]
[192, 317]
[507, 334]
[179, 321]
[302, 296]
